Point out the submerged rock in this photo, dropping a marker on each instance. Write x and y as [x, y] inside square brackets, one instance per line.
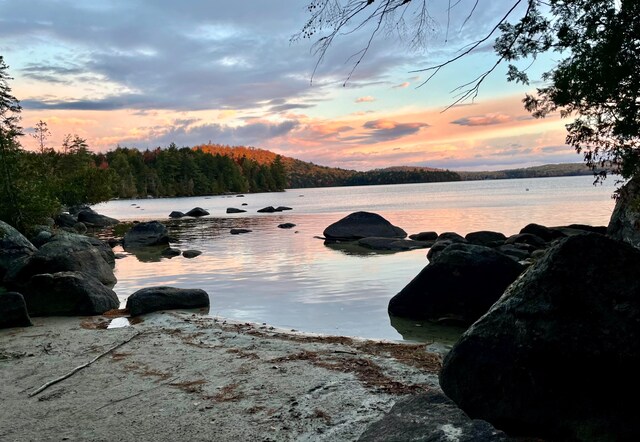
[268, 209]
[152, 299]
[558, 355]
[286, 226]
[362, 225]
[170, 252]
[390, 244]
[239, 231]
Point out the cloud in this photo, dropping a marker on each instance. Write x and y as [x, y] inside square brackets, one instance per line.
[401, 85]
[387, 130]
[366, 99]
[191, 132]
[483, 120]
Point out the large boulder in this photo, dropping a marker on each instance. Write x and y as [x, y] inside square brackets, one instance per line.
[460, 283]
[68, 253]
[624, 224]
[152, 299]
[558, 355]
[90, 218]
[13, 311]
[429, 417]
[147, 234]
[68, 294]
[362, 225]
[15, 249]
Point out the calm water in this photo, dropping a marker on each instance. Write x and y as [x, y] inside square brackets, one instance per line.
[289, 279]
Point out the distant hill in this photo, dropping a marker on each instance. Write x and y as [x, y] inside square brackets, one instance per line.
[547, 170]
[302, 174]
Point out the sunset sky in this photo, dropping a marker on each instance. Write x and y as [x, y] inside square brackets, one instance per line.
[145, 73]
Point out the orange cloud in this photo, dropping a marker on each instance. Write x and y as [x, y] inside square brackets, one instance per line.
[366, 99]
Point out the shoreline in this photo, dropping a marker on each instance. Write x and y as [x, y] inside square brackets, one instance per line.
[183, 375]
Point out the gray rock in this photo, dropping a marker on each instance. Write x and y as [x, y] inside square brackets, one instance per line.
[461, 282]
[390, 244]
[429, 417]
[546, 233]
[146, 234]
[197, 212]
[424, 236]
[558, 355]
[268, 209]
[436, 248]
[170, 252]
[92, 219]
[239, 231]
[13, 311]
[15, 249]
[624, 224]
[486, 238]
[152, 299]
[41, 238]
[176, 214]
[68, 294]
[191, 253]
[517, 253]
[362, 225]
[80, 228]
[234, 210]
[527, 238]
[451, 236]
[286, 226]
[68, 252]
[66, 220]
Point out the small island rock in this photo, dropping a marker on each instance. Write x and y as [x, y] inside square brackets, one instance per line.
[362, 225]
[197, 212]
[146, 234]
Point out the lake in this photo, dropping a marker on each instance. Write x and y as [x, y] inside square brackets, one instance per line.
[289, 279]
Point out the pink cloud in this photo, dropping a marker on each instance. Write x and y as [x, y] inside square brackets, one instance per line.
[366, 99]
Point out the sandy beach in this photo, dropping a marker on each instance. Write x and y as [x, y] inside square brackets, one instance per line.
[184, 376]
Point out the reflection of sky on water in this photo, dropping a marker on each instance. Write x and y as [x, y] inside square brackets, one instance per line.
[288, 278]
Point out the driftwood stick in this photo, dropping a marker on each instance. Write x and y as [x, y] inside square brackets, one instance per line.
[80, 367]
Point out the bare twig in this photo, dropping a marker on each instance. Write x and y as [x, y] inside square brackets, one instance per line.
[80, 367]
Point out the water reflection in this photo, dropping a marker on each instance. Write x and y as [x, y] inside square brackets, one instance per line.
[425, 331]
[290, 279]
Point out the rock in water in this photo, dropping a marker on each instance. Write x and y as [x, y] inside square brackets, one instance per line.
[176, 214]
[234, 210]
[625, 219]
[13, 311]
[197, 212]
[462, 282]
[68, 294]
[559, 354]
[93, 219]
[147, 234]
[152, 299]
[362, 225]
